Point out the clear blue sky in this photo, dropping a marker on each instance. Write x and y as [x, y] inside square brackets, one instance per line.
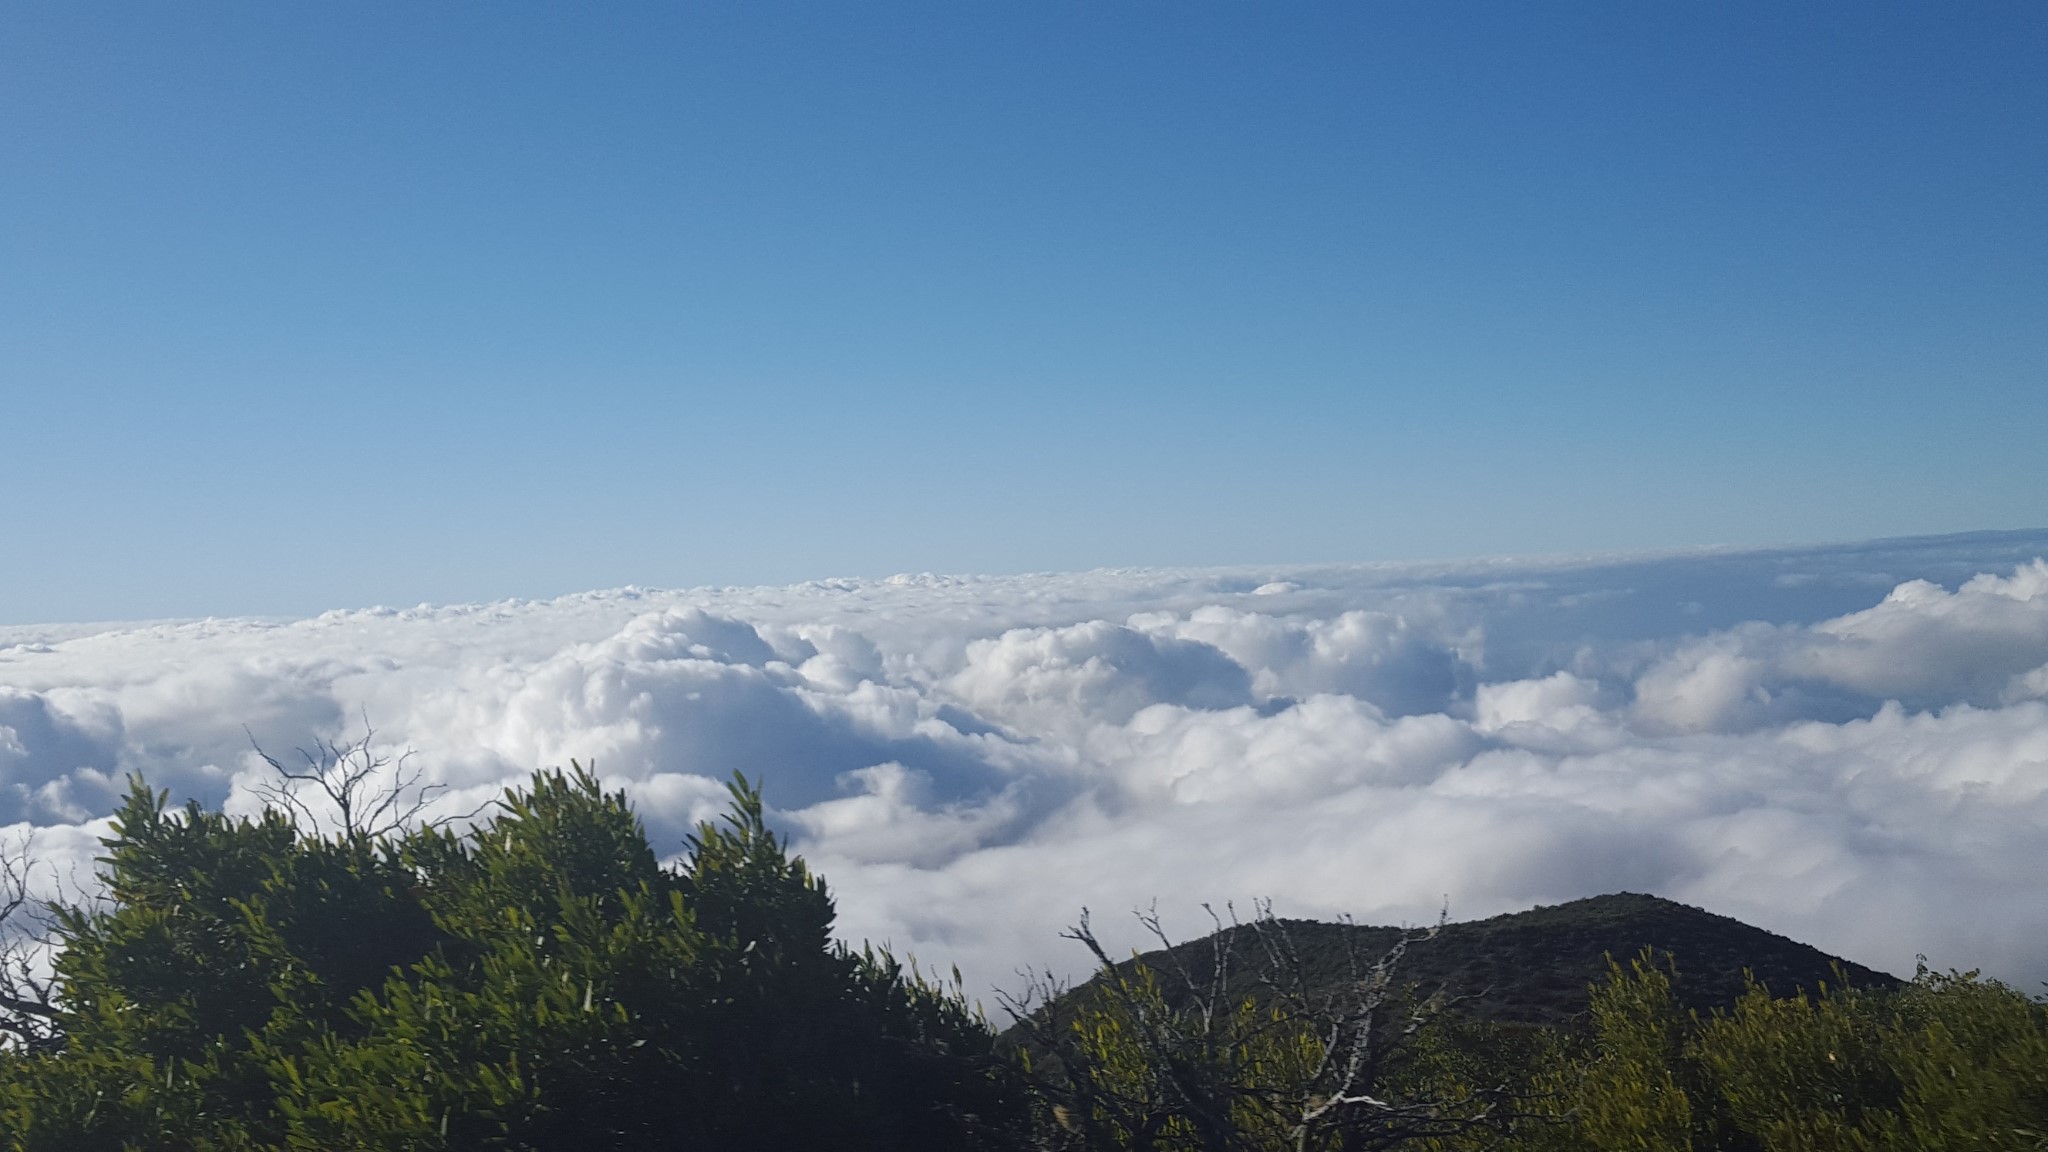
[309, 305]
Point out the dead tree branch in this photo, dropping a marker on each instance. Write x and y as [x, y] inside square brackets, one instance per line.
[351, 791]
[30, 1015]
[1206, 1060]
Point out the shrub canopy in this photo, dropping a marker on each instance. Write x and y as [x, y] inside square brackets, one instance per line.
[539, 981]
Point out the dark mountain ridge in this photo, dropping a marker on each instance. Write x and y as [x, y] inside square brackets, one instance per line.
[1535, 967]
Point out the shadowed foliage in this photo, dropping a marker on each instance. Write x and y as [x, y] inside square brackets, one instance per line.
[538, 982]
[1472, 1037]
[1536, 967]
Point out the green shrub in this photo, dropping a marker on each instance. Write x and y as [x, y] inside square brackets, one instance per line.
[539, 982]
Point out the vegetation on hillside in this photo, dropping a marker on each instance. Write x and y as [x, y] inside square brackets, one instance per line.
[1535, 967]
[1140, 1058]
[538, 980]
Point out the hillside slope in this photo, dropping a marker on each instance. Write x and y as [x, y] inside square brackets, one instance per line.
[1534, 967]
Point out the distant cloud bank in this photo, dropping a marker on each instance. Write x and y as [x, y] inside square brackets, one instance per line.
[1846, 744]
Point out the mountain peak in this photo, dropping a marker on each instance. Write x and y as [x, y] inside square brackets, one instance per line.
[1535, 967]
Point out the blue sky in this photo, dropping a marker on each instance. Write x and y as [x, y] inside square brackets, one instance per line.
[314, 305]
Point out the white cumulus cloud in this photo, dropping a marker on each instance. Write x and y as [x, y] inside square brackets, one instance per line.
[1846, 744]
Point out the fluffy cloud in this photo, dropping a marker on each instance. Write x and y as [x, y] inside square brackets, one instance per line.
[1922, 645]
[1849, 745]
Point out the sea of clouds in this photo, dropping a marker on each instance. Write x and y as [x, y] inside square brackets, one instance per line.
[1846, 744]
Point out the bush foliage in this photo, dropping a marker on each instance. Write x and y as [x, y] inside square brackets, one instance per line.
[540, 981]
[1950, 1061]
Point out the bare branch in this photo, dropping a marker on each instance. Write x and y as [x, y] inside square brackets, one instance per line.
[30, 1014]
[1307, 1062]
[352, 791]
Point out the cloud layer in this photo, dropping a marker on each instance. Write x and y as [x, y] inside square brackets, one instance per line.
[1845, 744]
